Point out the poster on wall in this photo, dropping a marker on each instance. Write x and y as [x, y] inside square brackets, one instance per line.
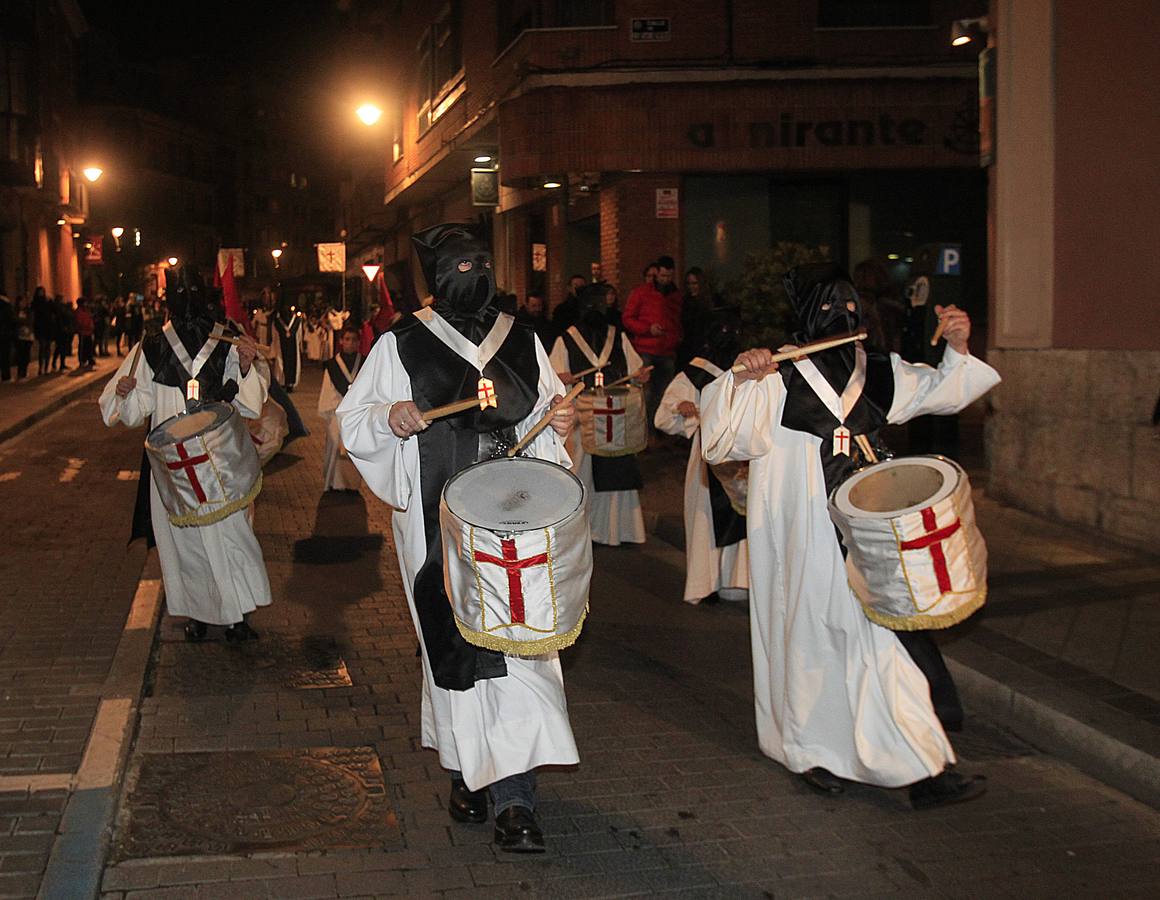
[667, 203]
[94, 250]
[539, 257]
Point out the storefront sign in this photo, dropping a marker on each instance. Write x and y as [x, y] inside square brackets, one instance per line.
[484, 187]
[94, 250]
[786, 130]
[539, 257]
[650, 30]
[668, 206]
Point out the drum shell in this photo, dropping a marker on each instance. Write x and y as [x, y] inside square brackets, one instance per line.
[920, 568]
[224, 478]
[552, 580]
[622, 433]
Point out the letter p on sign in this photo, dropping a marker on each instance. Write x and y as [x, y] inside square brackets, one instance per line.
[949, 258]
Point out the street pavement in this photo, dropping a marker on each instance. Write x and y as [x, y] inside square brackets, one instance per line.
[259, 771]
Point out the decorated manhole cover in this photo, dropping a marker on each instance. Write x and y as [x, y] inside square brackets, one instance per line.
[274, 661]
[197, 803]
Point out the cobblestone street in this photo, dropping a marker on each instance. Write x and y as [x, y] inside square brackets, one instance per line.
[291, 767]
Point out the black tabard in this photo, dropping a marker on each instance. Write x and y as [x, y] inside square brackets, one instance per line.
[728, 524]
[337, 378]
[804, 410]
[288, 343]
[439, 375]
[615, 473]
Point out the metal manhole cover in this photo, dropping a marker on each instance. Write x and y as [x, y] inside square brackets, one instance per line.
[201, 803]
[215, 667]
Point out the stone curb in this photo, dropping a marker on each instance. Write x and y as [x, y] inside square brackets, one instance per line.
[57, 402]
[77, 860]
[1059, 722]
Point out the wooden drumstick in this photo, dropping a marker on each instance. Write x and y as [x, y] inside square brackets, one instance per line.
[588, 371]
[450, 409]
[807, 349]
[136, 360]
[863, 443]
[938, 332]
[262, 351]
[577, 389]
[641, 371]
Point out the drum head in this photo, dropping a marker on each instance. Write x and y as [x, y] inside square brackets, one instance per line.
[520, 494]
[184, 426]
[897, 486]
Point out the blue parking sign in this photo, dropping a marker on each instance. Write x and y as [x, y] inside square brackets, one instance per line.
[949, 259]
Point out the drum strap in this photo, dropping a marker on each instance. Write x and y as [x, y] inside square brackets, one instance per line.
[839, 407]
[192, 366]
[584, 347]
[479, 356]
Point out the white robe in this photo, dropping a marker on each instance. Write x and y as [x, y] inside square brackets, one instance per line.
[338, 472]
[708, 568]
[831, 689]
[212, 573]
[501, 726]
[615, 517]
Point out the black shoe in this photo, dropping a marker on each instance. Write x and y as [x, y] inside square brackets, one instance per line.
[823, 781]
[516, 831]
[467, 806]
[712, 600]
[241, 631]
[946, 787]
[195, 631]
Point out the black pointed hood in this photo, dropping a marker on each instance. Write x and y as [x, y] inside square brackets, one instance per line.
[457, 266]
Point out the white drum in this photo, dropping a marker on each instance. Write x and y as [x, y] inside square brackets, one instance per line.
[204, 464]
[517, 555]
[612, 421]
[916, 557]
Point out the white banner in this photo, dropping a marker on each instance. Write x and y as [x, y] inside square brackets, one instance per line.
[332, 257]
[238, 255]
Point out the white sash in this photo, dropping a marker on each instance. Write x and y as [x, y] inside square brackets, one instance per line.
[478, 356]
[347, 373]
[605, 354]
[701, 363]
[839, 407]
[192, 366]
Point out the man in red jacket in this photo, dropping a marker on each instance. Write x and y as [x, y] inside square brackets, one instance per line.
[652, 318]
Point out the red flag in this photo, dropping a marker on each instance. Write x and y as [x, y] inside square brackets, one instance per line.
[217, 280]
[385, 317]
[233, 303]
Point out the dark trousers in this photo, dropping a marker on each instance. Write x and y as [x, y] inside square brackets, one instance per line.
[61, 349]
[5, 358]
[664, 369]
[43, 354]
[86, 351]
[943, 693]
[23, 356]
[515, 790]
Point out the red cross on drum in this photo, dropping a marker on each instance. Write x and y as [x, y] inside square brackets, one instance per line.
[916, 559]
[517, 555]
[612, 421]
[204, 465]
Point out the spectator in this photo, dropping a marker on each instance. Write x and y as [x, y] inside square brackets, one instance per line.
[117, 322]
[23, 318]
[63, 338]
[652, 318]
[44, 328]
[612, 302]
[100, 311]
[7, 337]
[534, 314]
[86, 330]
[564, 316]
[134, 324]
[696, 313]
[881, 310]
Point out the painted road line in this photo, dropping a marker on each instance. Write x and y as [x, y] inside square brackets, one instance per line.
[71, 470]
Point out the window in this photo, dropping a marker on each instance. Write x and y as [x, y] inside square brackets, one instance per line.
[874, 13]
[515, 17]
[440, 65]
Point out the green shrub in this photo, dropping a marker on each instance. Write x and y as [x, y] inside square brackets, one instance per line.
[766, 315]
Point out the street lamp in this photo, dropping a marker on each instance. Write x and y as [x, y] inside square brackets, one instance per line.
[92, 173]
[277, 254]
[117, 232]
[369, 113]
[172, 260]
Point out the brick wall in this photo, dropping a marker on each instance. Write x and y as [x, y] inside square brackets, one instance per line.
[631, 236]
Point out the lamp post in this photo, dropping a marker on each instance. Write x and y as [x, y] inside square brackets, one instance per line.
[369, 114]
[277, 254]
[92, 173]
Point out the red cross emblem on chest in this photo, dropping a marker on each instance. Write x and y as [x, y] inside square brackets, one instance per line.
[513, 564]
[607, 412]
[190, 463]
[932, 541]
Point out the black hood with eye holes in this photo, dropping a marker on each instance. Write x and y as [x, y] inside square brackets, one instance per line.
[819, 293]
[457, 266]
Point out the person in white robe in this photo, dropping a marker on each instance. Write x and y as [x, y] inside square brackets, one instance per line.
[612, 484]
[836, 696]
[213, 574]
[339, 373]
[716, 552]
[492, 718]
[288, 326]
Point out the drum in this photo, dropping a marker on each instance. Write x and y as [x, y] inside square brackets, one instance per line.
[916, 557]
[612, 421]
[734, 479]
[517, 555]
[204, 464]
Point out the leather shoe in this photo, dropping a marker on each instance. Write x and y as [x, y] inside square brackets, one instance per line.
[195, 631]
[467, 806]
[946, 787]
[823, 781]
[241, 631]
[516, 831]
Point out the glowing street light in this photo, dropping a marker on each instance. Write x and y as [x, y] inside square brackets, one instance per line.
[117, 232]
[92, 173]
[277, 254]
[483, 158]
[369, 114]
[172, 260]
[551, 185]
[371, 272]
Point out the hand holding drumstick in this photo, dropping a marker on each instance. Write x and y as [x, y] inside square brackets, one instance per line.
[954, 325]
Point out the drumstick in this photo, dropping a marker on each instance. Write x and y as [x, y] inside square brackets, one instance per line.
[136, 359]
[807, 349]
[863, 443]
[262, 351]
[450, 409]
[938, 332]
[588, 371]
[635, 374]
[543, 423]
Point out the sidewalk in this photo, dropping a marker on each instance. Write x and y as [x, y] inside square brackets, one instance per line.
[24, 404]
[291, 767]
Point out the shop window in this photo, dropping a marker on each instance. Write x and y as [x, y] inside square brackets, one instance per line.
[440, 65]
[874, 14]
